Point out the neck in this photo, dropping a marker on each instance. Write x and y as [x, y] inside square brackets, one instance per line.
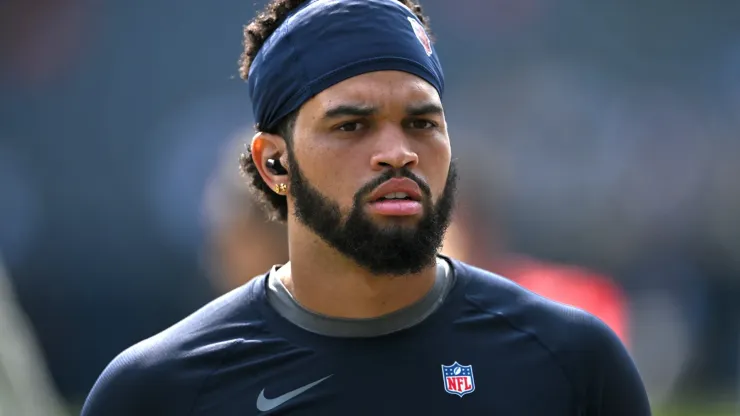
[326, 282]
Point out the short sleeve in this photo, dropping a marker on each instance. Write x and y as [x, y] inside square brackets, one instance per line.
[612, 382]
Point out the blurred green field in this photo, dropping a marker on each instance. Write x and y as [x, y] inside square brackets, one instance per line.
[693, 410]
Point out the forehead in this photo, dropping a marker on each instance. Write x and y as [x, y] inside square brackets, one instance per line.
[382, 88]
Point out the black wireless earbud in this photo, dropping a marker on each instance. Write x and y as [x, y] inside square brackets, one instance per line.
[274, 166]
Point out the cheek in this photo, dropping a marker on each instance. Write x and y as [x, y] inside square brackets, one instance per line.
[333, 173]
[438, 158]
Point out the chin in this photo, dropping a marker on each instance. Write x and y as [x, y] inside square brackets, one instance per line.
[391, 222]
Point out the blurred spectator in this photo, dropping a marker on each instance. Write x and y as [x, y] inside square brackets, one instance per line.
[21, 207]
[241, 242]
[25, 386]
[470, 239]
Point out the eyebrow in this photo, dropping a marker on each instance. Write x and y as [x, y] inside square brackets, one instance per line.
[424, 109]
[357, 110]
[345, 110]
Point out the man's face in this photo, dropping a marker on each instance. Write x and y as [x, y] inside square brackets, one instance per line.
[371, 173]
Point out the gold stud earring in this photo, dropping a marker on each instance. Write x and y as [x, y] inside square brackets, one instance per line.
[280, 188]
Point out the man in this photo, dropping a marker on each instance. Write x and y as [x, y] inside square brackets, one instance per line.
[242, 242]
[352, 152]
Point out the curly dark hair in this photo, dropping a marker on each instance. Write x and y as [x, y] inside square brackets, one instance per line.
[255, 34]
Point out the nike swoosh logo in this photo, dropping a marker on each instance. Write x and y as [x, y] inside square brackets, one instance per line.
[264, 404]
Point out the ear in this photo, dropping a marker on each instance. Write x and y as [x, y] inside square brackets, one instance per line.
[269, 146]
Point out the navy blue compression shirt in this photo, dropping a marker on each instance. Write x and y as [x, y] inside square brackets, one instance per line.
[476, 344]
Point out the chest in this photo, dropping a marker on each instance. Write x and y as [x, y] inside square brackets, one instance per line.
[512, 376]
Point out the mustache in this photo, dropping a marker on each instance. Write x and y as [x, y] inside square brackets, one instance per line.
[369, 187]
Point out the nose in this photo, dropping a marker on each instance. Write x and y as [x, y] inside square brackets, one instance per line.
[393, 151]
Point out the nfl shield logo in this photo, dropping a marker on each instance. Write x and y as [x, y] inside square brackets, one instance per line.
[458, 379]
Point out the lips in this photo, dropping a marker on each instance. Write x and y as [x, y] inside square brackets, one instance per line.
[398, 197]
[397, 189]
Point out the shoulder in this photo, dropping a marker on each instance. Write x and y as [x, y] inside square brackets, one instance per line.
[585, 289]
[164, 373]
[589, 352]
[560, 326]
[504, 297]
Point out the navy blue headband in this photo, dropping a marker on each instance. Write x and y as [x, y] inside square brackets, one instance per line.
[325, 42]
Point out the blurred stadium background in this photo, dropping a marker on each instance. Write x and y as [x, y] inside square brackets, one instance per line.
[598, 141]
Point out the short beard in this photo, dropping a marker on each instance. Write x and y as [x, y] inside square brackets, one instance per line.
[391, 250]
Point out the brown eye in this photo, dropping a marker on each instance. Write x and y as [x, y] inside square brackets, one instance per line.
[350, 127]
[422, 124]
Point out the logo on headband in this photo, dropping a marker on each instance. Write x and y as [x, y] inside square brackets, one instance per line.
[421, 34]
